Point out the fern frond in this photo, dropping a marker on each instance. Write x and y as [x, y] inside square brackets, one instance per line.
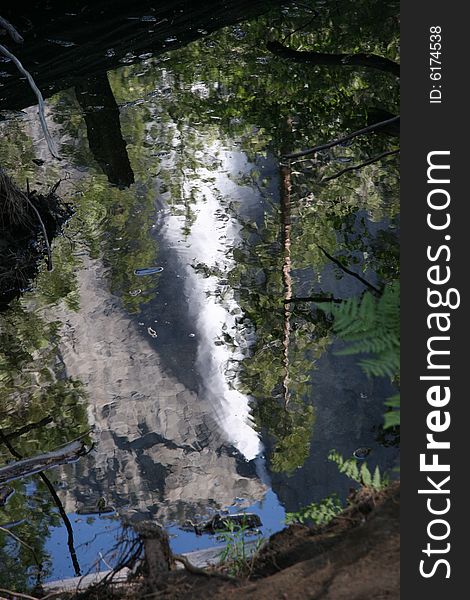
[363, 475]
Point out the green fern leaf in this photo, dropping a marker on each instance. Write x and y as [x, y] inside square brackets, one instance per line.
[366, 477]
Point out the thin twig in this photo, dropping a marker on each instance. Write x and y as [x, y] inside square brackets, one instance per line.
[44, 231]
[23, 543]
[18, 595]
[303, 26]
[360, 166]
[65, 519]
[313, 299]
[36, 90]
[197, 570]
[349, 272]
[346, 138]
[63, 514]
[15, 36]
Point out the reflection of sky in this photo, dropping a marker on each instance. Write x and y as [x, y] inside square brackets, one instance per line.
[269, 509]
[100, 534]
[213, 233]
[92, 535]
[342, 421]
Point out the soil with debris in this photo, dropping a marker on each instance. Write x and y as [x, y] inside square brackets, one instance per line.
[28, 223]
[355, 557]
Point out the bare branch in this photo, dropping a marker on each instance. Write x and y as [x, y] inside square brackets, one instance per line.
[36, 90]
[55, 497]
[30, 466]
[349, 272]
[15, 36]
[344, 139]
[370, 161]
[22, 543]
[18, 595]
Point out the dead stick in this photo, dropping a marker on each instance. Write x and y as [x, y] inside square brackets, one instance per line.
[23, 543]
[63, 514]
[370, 161]
[36, 90]
[15, 36]
[40, 462]
[44, 231]
[346, 138]
[17, 595]
[197, 570]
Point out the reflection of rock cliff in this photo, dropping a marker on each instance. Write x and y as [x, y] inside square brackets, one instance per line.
[159, 450]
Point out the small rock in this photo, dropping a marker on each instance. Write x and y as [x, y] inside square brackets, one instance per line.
[361, 453]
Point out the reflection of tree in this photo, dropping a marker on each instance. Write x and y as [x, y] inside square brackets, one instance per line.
[225, 87]
[259, 277]
[33, 390]
[286, 272]
[101, 116]
[336, 60]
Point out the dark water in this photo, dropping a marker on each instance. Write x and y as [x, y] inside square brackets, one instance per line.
[162, 329]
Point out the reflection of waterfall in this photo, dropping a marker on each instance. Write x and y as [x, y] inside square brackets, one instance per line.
[214, 309]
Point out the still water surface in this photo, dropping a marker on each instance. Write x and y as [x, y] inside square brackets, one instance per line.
[162, 329]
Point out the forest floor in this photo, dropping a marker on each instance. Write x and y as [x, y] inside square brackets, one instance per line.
[355, 557]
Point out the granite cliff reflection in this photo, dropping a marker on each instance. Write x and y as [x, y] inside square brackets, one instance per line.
[160, 448]
[168, 446]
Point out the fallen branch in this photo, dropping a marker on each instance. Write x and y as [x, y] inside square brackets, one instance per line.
[370, 161]
[372, 61]
[36, 90]
[189, 566]
[346, 138]
[15, 36]
[30, 466]
[17, 595]
[198, 570]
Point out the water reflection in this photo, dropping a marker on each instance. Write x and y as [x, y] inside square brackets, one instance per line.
[101, 116]
[221, 342]
[163, 325]
[160, 449]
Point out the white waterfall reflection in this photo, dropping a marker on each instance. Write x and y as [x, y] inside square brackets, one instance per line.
[212, 303]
